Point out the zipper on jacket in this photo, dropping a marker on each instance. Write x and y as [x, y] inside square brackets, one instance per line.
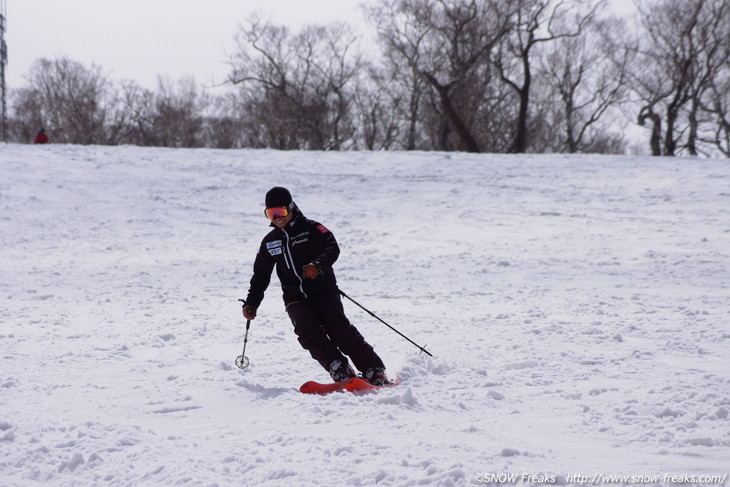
[287, 252]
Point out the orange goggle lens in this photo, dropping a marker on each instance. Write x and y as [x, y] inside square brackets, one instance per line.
[278, 212]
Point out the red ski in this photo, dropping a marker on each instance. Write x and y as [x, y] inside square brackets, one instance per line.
[352, 385]
[312, 387]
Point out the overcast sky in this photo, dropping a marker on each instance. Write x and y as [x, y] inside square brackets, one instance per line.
[141, 39]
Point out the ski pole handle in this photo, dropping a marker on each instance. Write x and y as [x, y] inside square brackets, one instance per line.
[242, 361]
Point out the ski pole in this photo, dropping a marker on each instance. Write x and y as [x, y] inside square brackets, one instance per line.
[242, 360]
[422, 349]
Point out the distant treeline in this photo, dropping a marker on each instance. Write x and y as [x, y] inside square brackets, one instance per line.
[450, 75]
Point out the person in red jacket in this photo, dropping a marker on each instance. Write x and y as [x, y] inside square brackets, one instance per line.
[41, 138]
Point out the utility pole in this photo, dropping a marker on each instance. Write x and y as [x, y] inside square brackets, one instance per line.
[3, 62]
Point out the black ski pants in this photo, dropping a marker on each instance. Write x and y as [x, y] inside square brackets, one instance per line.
[323, 329]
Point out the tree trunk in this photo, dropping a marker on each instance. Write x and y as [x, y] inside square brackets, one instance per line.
[520, 143]
[693, 128]
[467, 141]
[656, 130]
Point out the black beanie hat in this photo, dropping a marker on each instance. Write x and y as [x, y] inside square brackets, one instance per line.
[278, 196]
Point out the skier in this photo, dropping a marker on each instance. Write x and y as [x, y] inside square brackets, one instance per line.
[303, 252]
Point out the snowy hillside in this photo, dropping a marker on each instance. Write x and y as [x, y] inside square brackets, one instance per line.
[577, 307]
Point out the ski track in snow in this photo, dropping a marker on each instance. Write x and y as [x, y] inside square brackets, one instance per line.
[577, 307]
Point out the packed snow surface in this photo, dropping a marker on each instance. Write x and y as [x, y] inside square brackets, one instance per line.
[577, 309]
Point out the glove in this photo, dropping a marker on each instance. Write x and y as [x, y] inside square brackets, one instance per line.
[249, 312]
[311, 271]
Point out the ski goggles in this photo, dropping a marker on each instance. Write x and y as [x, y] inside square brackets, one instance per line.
[276, 212]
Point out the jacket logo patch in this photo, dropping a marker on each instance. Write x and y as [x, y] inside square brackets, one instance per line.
[276, 251]
[275, 243]
[322, 229]
[298, 241]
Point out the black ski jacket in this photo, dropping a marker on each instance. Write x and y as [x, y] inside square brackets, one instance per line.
[301, 242]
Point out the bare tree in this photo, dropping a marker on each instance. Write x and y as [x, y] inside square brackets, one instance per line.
[709, 115]
[134, 114]
[224, 122]
[588, 74]
[710, 40]
[379, 107]
[448, 44]
[27, 116]
[297, 88]
[680, 57]
[67, 98]
[536, 22]
[716, 105]
[122, 113]
[389, 106]
[178, 113]
[172, 116]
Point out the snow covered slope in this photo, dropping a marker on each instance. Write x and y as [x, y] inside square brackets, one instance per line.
[578, 310]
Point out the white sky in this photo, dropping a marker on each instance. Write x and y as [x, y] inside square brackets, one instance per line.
[141, 39]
